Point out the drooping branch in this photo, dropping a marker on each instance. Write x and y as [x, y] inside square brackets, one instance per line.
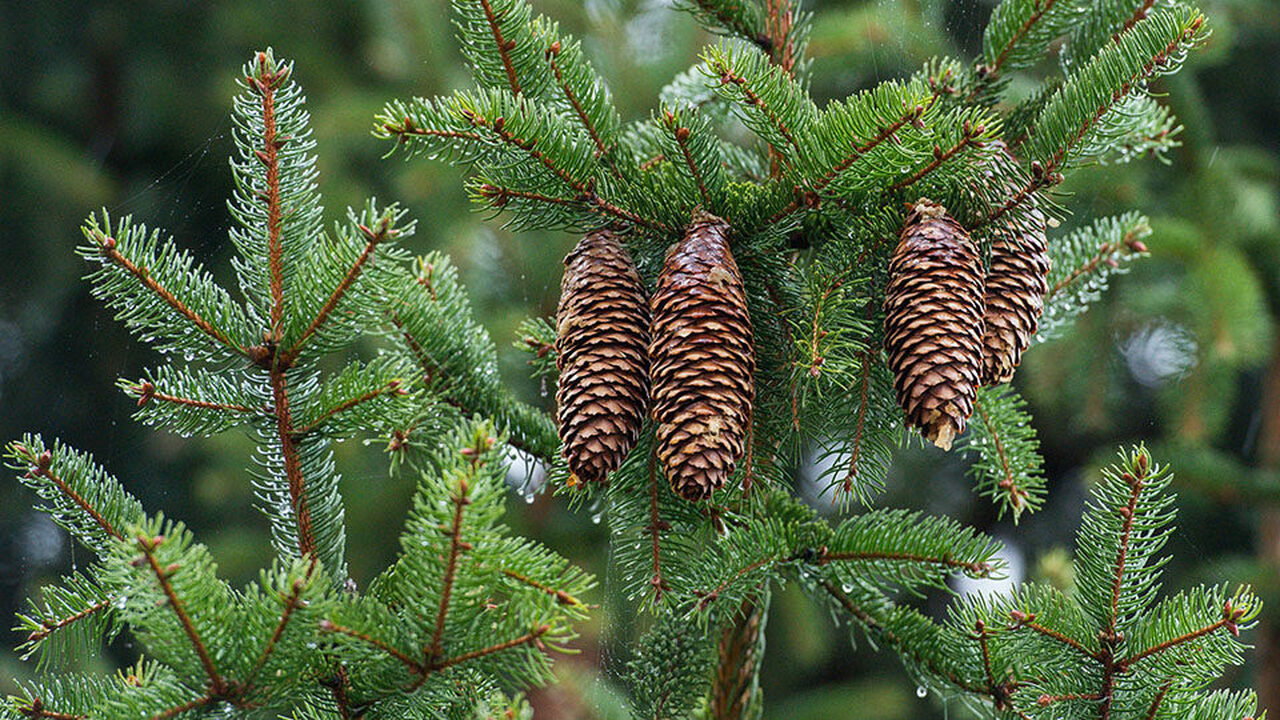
[859, 425]
[655, 528]
[874, 625]
[1017, 495]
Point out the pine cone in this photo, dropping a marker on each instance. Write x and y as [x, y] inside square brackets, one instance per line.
[933, 322]
[702, 360]
[602, 337]
[1016, 287]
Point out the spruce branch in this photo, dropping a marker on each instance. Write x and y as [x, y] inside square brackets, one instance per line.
[373, 237]
[39, 465]
[734, 687]
[503, 45]
[1067, 127]
[459, 500]
[292, 602]
[146, 391]
[143, 279]
[147, 545]
[51, 625]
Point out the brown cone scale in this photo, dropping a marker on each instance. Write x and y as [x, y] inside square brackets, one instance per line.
[1017, 282]
[703, 360]
[602, 337]
[933, 322]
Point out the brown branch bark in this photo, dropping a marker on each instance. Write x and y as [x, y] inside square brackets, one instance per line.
[504, 46]
[525, 639]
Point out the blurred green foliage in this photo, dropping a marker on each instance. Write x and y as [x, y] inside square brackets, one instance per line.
[124, 105]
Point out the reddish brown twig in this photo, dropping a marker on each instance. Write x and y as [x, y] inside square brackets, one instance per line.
[392, 387]
[40, 467]
[504, 46]
[859, 424]
[681, 135]
[940, 156]
[177, 710]
[217, 685]
[37, 710]
[412, 665]
[292, 464]
[372, 240]
[561, 596]
[457, 546]
[147, 392]
[728, 77]
[655, 527]
[708, 597]
[525, 639]
[602, 150]
[51, 625]
[292, 602]
[107, 245]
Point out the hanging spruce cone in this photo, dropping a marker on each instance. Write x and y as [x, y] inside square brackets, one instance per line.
[933, 322]
[702, 360]
[1016, 287]
[602, 337]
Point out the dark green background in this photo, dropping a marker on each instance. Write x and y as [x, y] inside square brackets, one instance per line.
[124, 105]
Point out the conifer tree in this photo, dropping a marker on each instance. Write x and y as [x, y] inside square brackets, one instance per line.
[808, 210]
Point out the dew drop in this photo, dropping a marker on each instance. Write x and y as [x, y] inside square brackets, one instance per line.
[595, 519]
[121, 602]
[847, 587]
[922, 691]
[528, 498]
